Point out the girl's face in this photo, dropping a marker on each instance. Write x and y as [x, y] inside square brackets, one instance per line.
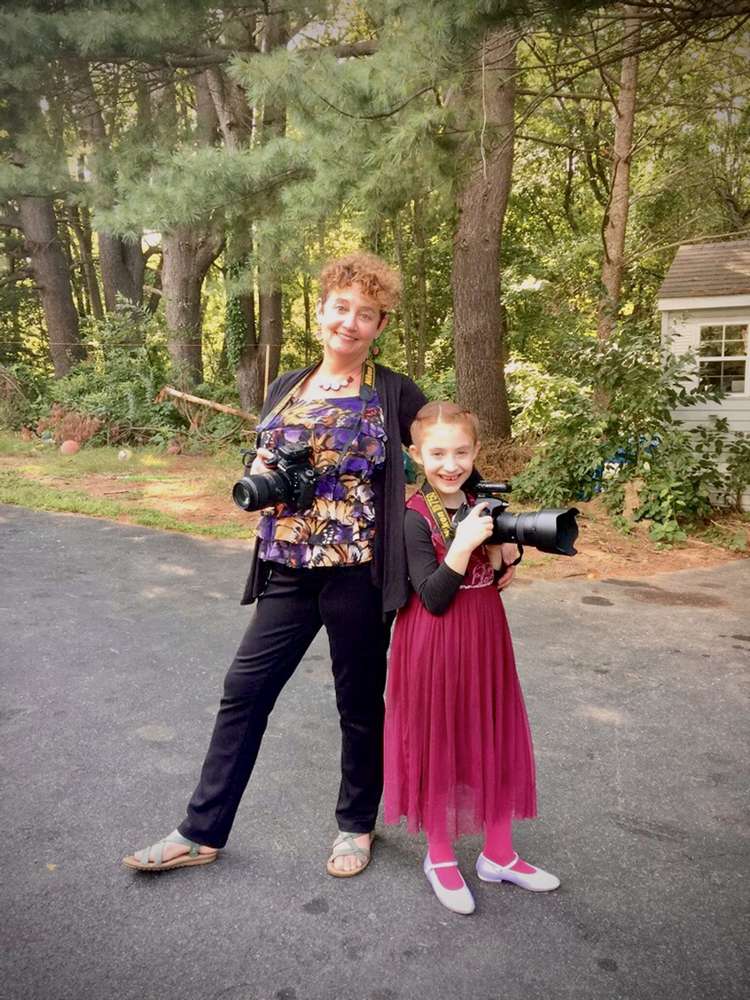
[447, 453]
[349, 322]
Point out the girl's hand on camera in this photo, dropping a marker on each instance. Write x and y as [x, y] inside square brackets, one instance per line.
[475, 528]
[260, 466]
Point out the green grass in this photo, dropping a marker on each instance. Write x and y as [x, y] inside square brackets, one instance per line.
[85, 462]
[22, 492]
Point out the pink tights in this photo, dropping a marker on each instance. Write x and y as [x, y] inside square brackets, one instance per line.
[498, 847]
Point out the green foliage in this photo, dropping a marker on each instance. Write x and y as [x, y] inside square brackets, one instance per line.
[678, 479]
[629, 435]
[23, 392]
[126, 367]
[538, 400]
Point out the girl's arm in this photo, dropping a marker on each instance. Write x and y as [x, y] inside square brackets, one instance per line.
[435, 583]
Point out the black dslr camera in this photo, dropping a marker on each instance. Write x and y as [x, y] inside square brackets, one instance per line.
[292, 481]
[547, 530]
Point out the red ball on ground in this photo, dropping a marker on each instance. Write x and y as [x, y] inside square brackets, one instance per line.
[69, 447]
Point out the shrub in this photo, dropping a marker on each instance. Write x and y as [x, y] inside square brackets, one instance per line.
[126, 367]
[67, 425]
[23, 395]
[619, 428]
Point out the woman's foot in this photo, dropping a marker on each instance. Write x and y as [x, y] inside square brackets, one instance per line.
[518, 872]
[351, 854]
[458, 899]
[173, 851]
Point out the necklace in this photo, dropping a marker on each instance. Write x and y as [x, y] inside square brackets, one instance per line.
[334, 384]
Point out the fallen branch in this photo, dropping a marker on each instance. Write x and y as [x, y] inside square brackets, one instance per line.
[197, 400]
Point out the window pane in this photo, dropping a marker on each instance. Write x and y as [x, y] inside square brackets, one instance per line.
[735, 340]
[729, 375]
[734, 368]
[709, 374]
[710, 335]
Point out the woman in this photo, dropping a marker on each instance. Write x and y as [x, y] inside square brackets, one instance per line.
[340, 564]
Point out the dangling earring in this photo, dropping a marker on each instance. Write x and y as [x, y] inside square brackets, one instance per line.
[374, 350]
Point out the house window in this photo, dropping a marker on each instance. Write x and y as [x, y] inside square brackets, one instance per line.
[723, 357]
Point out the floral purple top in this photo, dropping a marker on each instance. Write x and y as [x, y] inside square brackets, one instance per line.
[339, 528]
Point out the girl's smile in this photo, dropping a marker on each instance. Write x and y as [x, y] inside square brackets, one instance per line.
[447, 453]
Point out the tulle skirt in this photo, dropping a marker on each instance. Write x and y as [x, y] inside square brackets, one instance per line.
[458, 751]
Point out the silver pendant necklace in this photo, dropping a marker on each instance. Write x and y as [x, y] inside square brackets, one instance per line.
[333, 384]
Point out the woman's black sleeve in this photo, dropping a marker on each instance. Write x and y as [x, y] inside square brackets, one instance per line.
[411, 401]
[435, 583]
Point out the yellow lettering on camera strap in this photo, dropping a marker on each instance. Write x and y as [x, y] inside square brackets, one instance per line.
[438, 511]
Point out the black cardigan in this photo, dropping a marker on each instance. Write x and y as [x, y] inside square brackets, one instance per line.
[400, 399]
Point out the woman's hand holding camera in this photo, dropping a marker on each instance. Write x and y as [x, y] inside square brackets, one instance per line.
[260, 462]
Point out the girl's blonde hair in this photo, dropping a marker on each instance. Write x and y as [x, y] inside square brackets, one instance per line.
[443, 412]
[378, 280]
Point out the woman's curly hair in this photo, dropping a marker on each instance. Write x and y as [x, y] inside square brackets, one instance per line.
[376, 279]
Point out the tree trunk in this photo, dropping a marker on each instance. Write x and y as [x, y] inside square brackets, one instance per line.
[187, 250]
[270, 303]
[420, 275]
[79, 222]
[235, 119]
[52, 277]
[406, 303]
[188, 254]
[615, 222]
[121, 262]
[481, 201]
[123, 266]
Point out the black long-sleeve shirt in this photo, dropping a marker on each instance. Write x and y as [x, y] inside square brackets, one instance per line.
[435, 583]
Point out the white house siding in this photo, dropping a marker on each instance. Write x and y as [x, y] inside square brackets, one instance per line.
[681, 333]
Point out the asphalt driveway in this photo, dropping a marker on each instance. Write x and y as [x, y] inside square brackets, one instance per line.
[113, 643]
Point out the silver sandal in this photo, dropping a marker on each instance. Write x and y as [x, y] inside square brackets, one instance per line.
[141, 860]
[344, 845]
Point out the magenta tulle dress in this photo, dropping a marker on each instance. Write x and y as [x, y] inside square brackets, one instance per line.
[458, 751]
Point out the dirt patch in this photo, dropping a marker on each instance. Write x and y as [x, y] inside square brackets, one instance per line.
[604, 552]
[197, 491]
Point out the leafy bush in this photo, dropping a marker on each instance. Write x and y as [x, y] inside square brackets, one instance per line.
[737, 475]
[126, 367]
[538, 400]
[23, 395]
[618, 427]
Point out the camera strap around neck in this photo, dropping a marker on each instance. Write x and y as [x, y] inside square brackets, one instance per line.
[438, 511]
[366, 391]
[367, 385]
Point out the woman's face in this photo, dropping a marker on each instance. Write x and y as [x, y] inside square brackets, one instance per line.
[349, 322]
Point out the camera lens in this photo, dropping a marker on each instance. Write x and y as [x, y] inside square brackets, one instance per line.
[552, 531]
[257, 492]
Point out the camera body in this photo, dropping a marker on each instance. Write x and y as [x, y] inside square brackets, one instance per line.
[552, 530]
[291, 482]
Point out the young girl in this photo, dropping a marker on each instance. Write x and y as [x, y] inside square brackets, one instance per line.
[458, 754]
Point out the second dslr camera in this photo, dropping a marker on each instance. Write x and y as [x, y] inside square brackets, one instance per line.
[291, 482]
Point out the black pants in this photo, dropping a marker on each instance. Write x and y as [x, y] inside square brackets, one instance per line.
[288, 616]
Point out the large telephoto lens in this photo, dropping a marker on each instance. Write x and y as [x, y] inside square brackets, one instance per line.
[257, 492]
[550, 530]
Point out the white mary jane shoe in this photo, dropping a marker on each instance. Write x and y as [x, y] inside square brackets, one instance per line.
[537, 881]
[458, 900]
